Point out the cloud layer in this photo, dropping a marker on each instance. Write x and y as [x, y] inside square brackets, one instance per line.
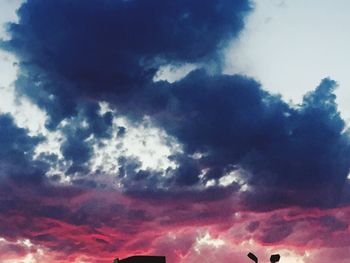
[237, 163]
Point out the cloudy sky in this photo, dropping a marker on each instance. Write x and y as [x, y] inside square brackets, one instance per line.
[198, 130]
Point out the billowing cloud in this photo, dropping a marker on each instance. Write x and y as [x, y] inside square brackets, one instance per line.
[16, 152]
[105, 49]
[292, 153]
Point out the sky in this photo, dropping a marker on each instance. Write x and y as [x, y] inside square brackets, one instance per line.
[197, 130]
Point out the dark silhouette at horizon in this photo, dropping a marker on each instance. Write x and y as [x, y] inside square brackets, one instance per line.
[273, 259]
[141, 259]
[161, 259]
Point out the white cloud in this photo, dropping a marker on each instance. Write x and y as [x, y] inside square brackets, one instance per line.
[288, 256]
[234, 176]
[25, 114]
[208, 240]
[8, 13]
[173, 73]
[144, 141]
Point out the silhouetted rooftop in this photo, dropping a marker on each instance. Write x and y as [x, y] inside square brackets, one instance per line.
[143, 259]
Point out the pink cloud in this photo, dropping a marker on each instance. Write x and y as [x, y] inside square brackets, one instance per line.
[95, 225]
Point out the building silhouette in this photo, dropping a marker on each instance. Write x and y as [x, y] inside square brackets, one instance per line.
[160, 259]
[141, 259]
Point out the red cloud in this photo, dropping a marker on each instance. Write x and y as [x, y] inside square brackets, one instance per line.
[69, 223]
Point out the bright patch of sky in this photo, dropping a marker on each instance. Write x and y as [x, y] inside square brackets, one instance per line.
[7, 67]
[234, 176]
[290, 45]
[26, 252]
[25, 113]
[288, 256]
[147, 143]
[173, 73]
[208, 240]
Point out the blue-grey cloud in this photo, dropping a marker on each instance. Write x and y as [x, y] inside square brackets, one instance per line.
[69, 50]
[16, 154]
[292, 154]
[72, 55]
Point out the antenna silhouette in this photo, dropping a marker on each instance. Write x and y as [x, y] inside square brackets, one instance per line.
[252, 257]
[141, 259]
[273, 259]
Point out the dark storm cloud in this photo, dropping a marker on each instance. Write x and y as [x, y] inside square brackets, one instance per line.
[68, 49]
[73, 54]
[301, 154]
[329, 226]
[277, 230]
[16, 152]
[15, 142]
[76, 147]
[291, 154]
[188, 171]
